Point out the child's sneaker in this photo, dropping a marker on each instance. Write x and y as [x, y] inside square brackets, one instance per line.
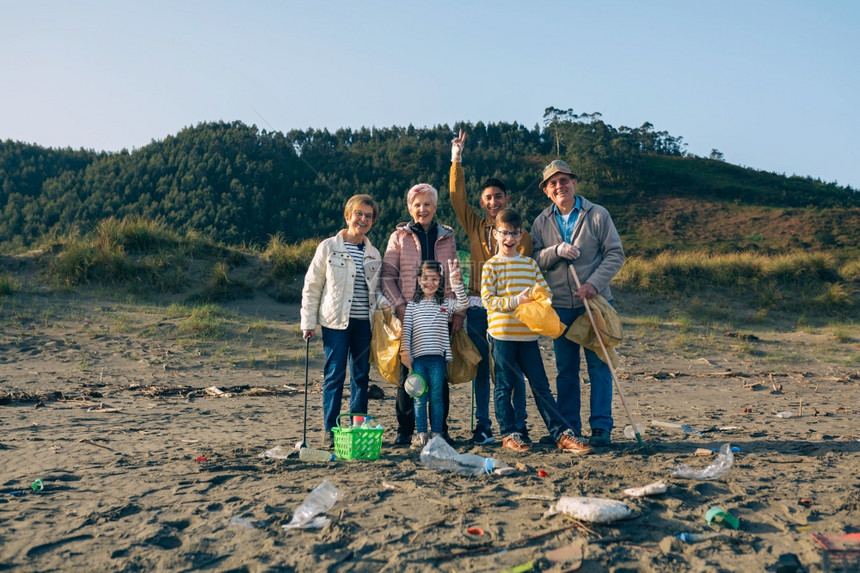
[569, 443]
[515, 442]
[419, 440]
[482, 436]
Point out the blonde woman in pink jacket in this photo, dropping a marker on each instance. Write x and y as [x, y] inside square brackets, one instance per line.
[421, 239]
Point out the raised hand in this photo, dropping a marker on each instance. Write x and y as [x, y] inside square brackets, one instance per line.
[457, 146]
[454, 271]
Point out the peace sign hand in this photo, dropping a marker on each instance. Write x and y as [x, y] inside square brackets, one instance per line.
[457, 146]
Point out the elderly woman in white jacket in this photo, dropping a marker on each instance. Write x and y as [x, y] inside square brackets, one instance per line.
[340, 295]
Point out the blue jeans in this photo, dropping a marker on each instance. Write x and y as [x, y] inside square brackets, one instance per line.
[352, 343]
[513, 359]
[567, 361]
[434, 370]
[476, 328]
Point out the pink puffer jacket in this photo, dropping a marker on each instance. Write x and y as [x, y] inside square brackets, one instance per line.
[403, 258]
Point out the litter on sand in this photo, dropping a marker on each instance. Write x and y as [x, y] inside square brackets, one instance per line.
[320, 500]
[277, 453]
[719, 468]
[655, 488]
[592, 509]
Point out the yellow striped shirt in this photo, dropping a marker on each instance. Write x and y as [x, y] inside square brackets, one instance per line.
[502, 280]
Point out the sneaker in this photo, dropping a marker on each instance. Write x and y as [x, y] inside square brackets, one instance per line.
[600, 438]
[482, 437]
[328, 439]
[570, 443]
[437, 435]
[550, 441]
[402, 439]
[419, 440]
[526, 439]
[515, 442]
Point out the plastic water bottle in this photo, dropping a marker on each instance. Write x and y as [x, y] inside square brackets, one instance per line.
[437, 454]
[318, 501]
[718, 469]
[694, 537]
[309, 455]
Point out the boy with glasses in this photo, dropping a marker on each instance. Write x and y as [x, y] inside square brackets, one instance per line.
[506, 282]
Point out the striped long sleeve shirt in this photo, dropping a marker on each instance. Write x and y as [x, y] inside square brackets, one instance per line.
[425, 325]
[502, 280]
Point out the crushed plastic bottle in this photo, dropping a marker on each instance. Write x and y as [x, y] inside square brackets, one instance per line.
[784, 414]
[320, 500]
[277, 453]
[630, 433]
[683, 427]
[694, 537]
[437, 454]
[719, 468]
[309, 455]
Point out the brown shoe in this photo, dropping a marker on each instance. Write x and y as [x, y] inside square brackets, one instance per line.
[515, 442]
[569, 443]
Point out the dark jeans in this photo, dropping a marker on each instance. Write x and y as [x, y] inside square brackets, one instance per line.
[476, 328]
[352, 344]
[511, 356]
[567, 360]
[404, 407]
[434, 370]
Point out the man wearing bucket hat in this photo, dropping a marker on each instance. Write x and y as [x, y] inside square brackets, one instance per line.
[574, 236]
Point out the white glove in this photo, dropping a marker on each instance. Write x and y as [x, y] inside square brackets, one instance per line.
[524, 297]
[567, 251]
[457, 147]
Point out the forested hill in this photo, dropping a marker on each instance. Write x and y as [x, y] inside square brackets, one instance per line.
[239, 184]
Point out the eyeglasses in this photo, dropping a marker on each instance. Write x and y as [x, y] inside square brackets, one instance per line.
[504, 233]
[363, 215]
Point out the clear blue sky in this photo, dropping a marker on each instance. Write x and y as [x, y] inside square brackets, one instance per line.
[773, 84]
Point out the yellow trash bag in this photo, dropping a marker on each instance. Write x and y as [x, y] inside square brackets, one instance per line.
[608, 328]
[464, 367]
[385, 344]
[539, 315]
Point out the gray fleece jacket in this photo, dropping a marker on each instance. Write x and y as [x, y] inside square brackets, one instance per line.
[601, 253]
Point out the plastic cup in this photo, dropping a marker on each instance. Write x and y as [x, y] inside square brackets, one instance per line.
[415, 385]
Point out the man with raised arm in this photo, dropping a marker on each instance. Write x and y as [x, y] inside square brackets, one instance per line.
[482, 245]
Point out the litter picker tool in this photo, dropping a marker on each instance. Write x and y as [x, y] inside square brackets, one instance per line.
[607, 359]
[304, 442]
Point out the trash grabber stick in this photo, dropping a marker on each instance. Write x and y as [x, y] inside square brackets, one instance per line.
[608, 361]
[472, 408]
[304, 443]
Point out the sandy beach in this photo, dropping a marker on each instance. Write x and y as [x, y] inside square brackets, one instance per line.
[143, 469]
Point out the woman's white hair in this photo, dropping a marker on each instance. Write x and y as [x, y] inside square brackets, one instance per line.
[421, 189]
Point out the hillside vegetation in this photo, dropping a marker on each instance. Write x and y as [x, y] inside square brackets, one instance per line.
[238, 185]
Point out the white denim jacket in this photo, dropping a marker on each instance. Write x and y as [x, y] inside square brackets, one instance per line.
[330, 280]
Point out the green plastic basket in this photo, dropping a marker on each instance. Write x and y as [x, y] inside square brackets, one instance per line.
[356, 443]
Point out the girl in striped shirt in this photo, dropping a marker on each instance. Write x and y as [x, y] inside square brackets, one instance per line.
[425, 343]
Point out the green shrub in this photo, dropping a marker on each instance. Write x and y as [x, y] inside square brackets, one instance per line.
[290, 259]
[7, 285]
